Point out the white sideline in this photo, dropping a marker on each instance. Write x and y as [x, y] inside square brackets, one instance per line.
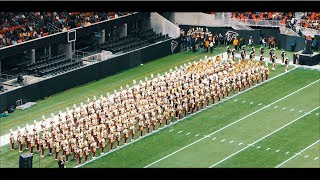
[263, 138]
[297, 154]
[233, 123]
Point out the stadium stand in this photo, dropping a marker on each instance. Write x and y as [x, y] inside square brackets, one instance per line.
[52, 66]
[130, 42]
[17, 27]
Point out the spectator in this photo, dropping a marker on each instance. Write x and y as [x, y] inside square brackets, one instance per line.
[293, 44]
[211, 46]
[236, 43]
[264, 43]
[250, 41]
[314, 44]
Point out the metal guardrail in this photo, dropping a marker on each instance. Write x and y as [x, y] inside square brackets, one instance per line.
[264, 23]
[6, 77]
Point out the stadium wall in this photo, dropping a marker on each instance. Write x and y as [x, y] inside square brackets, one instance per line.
[285, 42]
[96, 71]
[162, 25]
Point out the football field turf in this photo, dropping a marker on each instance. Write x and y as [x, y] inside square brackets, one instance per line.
[263, 127]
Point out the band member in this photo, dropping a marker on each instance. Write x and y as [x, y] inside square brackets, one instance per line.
[93, 149]
[283, 56]
[111, 139]
[233, 53]
[261, 60]
[132, 131]
[43, 145]
[20, 141]
[67, 151]
[286, 62]
[125, 135]
[57, 149]
[261, 51]
[32, 144]
[228, 52]
[37, 141]
[12, 141]
[251, 56]
[148, 124]
[118, 136]
[141, 124]
[86, 153]
[79, 153]
[273, 60]
[50, 145]
[243, 55]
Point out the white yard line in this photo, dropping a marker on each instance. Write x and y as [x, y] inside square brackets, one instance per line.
[251, 102]
[214, 139]
[222, 140]
[196, 135]
[258, 147]
[284, 108]
[243, 101]
[291, 109]
[268, 149]
[317, 114]
[276, 107]
[277, 150]
[171, 130]
[259, 104]
[231, 142]
[236, 100]
[316, 158]
[306, 156]
[230, 124]
[287, 152]
[263, 138]
[300, 111]
[240, 144]
[179, 132]
[297, 154]
[187, 133]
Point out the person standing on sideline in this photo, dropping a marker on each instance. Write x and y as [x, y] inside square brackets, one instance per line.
[293, 44]
[211, 46]
[61, 162]
[235, 43]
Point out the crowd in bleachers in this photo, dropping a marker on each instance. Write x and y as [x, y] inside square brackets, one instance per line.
[138, 110]
[310, 20]
[69, 20]
[17, 27]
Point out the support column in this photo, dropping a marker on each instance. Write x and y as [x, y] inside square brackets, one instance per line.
[103, 36]
[68, 50]
[33, 55]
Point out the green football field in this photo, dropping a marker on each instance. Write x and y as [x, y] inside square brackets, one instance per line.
[275, 124]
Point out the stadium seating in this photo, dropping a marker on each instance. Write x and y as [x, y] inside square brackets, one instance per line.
[131, 42]
[52, 66]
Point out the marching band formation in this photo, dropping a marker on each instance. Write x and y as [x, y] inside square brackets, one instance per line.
[137, 110]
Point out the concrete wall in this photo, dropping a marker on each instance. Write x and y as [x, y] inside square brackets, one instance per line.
[195, 19]
[161, 25]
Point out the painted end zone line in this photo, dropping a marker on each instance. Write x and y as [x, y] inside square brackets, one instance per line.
[231, 123]
[297, 154]
[263, 138]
